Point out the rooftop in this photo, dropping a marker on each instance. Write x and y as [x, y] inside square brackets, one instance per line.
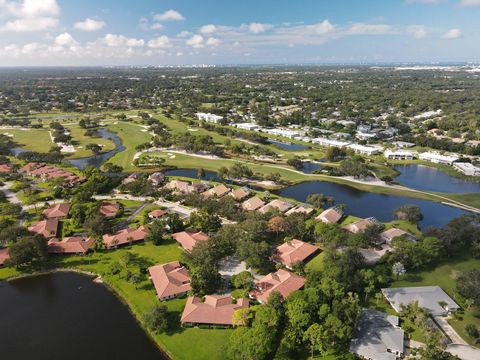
[282, 281]
[215, 309]
[292, 251]
[188, 239]
[170, 279]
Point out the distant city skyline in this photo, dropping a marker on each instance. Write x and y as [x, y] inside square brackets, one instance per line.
[187, 32]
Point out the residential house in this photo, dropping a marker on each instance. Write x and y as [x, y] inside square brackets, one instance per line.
[213, 310]
[156, 214]
[209, 117]
[78, 245]
[170, 280]
[300, 209]
[109, 209]
[131, 178]
[4, 256]
[125, 236]
[188, 239]
[431, 298]
[282, 281]
[378, 336]
[467, 168]
[364, 149]
[156, 179]
[5, 168]
[240, 193]
[57, 211]
[253, 204]
[388, 235]
[179, 187]
[330, 142]
[361, 225]
[217, 191]
[294, 251]
[278, 204]
[438, 158]
[330, 216]
[400, 154]
[47, 228]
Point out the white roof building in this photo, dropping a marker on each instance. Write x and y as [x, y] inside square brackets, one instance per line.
[282, 132]
[246, 126]
[363, 149]
[330, 142]
[467, 168]
[438, 158]
[209, 117]
[400, 154]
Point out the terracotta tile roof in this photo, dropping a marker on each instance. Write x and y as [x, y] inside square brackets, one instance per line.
[278, 204]
[188, 239]
[170, 279]
[282, 281]
[253, 204]
[300, 209]
[390, 234]
[48, 228]
[71, 245]
[57, 211]
[216, 309]
[292, 251]
[155, 214]
[5, 168]
[218, 191]
[109, 209]
[330, 216]
[240, 193]
[179, 186]
[360, 225]
[4, 256]
[29, 167]
[125, 236]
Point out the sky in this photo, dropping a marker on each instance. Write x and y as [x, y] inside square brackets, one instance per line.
[194, 32]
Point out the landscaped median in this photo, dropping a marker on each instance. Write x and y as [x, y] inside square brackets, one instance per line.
[178, 342]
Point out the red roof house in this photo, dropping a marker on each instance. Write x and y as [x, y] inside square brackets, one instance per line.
[125, 236]
[214, 310]
[282, 281]
[188, 239]
[4, 256]
[330, 216]
[48, 228]
[217, 191]
[293, 251]
[71, 245]
[57, 211]
[5, 168]
[253, 204]
[170, 280]
[109, 209]
[155, 214]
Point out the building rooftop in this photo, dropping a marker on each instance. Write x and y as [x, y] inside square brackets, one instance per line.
[253, 204]
[4, 256]
[300, 209]
[215, 309]
[282, 281]
[217, 191]
[71, 245]
[109, 209]
[48, 228]
[155, 214]
[170, 279]
[330, 216]
[360, 225]
[292, 251]
[188, 239]
[125, 236]
[278, 204]
[57, 211]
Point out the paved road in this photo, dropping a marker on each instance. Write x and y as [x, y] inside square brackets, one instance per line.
[464, 352]
[449, 330]
[11, 196]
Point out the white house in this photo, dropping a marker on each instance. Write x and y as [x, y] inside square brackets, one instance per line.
[247, 126]
[282, 132]
[467, 168]
[438, 158]
[400, 154]
[209, 117]
[330, 142]
[363, 149]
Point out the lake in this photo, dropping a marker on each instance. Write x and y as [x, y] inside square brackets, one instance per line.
[309, 167]
[288, 146]
[192, 173]
[428, 178]
[365, 204]
[99, 160]
[68, 316]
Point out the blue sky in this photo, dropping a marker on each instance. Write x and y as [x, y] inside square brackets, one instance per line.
[161, 32]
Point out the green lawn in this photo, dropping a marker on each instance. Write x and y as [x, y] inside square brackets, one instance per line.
[444, 276]
[181, 343]
[32, 139]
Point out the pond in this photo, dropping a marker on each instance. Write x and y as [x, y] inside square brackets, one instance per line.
[192, 173]
[288, 146]
[365, 204]
[68, 316]
[309, 167]
[99, 160]
[428, 178]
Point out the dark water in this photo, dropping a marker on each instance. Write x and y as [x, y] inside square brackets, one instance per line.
[192, 173]
[288, 146]
[431, 179]
[365, 204]
[18, 150]
[67, 316]
[98, 160]
[310, 167]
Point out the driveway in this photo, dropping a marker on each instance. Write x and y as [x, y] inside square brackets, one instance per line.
[464, 352]
[11, 196]
[449, 330]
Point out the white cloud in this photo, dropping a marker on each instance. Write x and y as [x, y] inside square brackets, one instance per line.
[113, 40]
[30, 8]
[369, 29]
[65, 39]
[161, 42]
[89, 25]
[257, 28]
[195, 41]
[322, 28]
[184, 34]
[156, 26]
[469, 2]
[29, 24]
[417, 31]
[452, 34]
[208, 29]
[172, 15]
[211, 41]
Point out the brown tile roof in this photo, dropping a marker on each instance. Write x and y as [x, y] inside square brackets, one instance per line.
[5, 168]
[155, 214]
[57, 211]
[125, 236]
[253, 204]
[215, 309]
[240, 193]
[170, 279]
[278, 204]
[282, 281]
[48, 228]
[109, 209]
[71, 245]
[179, 186]
[218, 191]
[390, 234]
[4, 256]
[292, 251]
[330, 216]
[188, 239]
[156, 178]
[300, 209]
[361, 225]
[29, 167]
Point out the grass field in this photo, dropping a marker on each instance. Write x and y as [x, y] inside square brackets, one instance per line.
[181, 343]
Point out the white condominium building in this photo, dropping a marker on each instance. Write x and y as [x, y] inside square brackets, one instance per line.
[400, 154]
[438, 158]
[330, 142]
[467, 168]
[364, 150]
[209, 117]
